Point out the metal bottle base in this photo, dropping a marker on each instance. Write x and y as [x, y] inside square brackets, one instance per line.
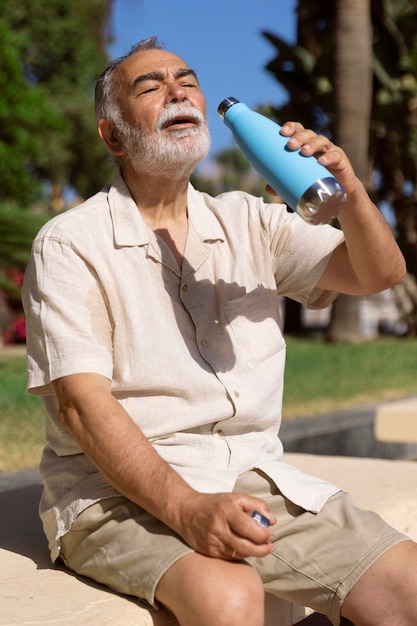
[322, 201]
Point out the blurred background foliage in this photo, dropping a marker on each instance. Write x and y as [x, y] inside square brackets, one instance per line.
[351, 74]
[52, 52]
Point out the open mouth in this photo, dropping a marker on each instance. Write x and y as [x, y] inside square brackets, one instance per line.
[181, 122]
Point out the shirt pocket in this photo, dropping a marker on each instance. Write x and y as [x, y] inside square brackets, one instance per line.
[255, 323]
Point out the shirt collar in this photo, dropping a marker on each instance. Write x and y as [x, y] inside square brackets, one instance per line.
[128, 226]
[204, 221]
[131, 230]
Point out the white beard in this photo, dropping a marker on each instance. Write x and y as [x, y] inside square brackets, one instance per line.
[173, 153]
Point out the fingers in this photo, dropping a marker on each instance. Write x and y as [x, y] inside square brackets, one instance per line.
[327, 153]
[220, 526]
[245, 537]
[289, 128]
[242, 548]
[308, 141]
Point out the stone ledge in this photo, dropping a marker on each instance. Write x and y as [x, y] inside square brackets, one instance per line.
[34, 592]
[397, 421]
[388, 487]
[357, 432]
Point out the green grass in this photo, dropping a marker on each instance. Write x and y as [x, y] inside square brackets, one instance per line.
[319, 378]
[21, 417]
[323, 377]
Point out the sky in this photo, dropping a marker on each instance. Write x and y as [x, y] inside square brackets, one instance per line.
[220, 39]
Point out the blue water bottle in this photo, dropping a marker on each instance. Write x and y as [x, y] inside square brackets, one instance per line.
[305, 185]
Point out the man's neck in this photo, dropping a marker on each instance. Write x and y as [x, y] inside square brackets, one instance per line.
[162, 202]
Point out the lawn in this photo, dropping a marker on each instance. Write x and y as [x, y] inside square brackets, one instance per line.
[319, 378]
[21, 417]
[322, 377]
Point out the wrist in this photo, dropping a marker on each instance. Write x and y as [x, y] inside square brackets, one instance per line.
[180, 507]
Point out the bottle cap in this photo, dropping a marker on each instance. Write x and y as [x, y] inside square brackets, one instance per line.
[226, 104]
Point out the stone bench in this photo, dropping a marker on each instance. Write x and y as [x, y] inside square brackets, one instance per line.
[33, 591]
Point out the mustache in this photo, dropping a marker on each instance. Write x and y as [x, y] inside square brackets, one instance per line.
[172, 111]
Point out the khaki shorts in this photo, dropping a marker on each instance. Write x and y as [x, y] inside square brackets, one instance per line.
[317, 557]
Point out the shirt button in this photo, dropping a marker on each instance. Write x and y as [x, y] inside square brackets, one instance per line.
[218, 433]
[236, 394]
[184, 288]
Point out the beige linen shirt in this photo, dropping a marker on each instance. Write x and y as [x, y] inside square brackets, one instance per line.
[195, 355]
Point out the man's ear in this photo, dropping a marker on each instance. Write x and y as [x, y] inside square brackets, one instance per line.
[109, 135]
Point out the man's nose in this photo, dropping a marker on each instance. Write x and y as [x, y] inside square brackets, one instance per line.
[176, 93]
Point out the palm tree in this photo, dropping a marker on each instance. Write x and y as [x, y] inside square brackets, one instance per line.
[353, 97]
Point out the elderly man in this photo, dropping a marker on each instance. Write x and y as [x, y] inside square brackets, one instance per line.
[154, 336]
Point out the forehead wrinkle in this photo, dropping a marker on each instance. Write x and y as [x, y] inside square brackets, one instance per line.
[158, 75]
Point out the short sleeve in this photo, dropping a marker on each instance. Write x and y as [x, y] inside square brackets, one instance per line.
[68, 325]
[301, 253]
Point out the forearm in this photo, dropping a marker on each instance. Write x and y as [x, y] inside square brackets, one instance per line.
[370, 260]
[372, 252]
[118, 448]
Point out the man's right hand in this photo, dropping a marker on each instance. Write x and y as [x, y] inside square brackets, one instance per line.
[220, 525]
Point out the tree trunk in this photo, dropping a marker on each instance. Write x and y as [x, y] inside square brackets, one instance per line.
[345, 323]
[353, 91]
[353, 82]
